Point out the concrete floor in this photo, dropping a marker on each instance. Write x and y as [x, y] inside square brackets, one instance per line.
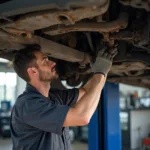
[6, 144]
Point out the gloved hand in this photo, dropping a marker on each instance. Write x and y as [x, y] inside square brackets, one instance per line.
[103, 62]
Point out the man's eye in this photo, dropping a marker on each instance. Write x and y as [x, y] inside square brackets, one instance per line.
[45, 60]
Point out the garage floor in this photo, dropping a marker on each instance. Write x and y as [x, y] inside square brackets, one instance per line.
[6, 144]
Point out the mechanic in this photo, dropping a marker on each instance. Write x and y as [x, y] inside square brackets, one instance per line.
[41, 116]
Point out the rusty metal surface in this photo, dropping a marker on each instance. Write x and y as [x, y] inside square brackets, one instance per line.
[137, 3]
[43, 19]
[15, 7]
[51, 48]
[128, 66]
[142, 81]
[17, 32]
[123, 35]
[8, 46]
[134, 73]
[62, 52]
[102, 27]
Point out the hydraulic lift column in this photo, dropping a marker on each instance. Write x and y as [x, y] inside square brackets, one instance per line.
[104, 127]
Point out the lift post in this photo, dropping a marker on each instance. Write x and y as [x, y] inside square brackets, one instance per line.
[104, 127]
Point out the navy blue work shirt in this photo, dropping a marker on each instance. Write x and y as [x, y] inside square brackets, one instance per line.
[37, 121]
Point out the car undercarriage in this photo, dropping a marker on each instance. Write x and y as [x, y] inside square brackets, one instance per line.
[72, 33]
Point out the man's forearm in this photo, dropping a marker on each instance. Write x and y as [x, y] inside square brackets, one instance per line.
[88, 103]
[89, 95]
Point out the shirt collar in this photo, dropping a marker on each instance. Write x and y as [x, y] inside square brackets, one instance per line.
[31, 88]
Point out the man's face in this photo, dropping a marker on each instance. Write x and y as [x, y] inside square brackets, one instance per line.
[46, 67]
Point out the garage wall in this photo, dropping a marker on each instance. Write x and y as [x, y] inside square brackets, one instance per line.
[126, 89]
[140, 126]
[21, 84]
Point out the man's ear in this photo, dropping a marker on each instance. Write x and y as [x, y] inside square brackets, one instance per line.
[32, 72]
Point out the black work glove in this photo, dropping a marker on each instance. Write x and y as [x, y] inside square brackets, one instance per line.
[103, 62]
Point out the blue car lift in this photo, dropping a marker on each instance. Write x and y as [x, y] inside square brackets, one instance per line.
[104, 127]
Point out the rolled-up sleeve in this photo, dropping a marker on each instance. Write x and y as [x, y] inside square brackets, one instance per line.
[45, 115]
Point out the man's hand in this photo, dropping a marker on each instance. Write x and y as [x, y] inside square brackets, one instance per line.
[103, 62]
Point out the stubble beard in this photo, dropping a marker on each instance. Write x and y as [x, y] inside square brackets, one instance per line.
[47, 76]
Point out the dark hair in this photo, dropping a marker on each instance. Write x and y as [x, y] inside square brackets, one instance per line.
[25, 58]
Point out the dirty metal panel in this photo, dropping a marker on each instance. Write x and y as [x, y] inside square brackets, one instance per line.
[116, 25]
[8, 45]
[139, 81]
[15, 7]
[44, 19]
[137, 3]
[53, 49]
[128, 66]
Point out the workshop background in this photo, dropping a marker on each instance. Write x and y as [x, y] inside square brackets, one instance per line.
[134, 113]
